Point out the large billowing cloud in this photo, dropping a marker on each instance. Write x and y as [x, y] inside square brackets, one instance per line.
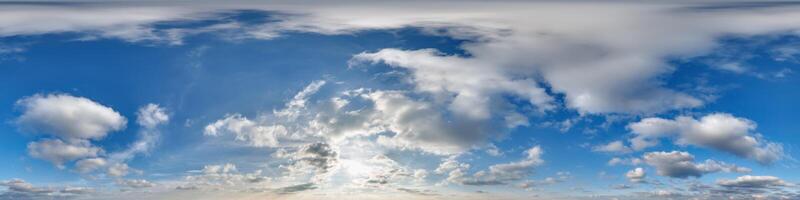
[399, 121]
[718, 131]
[474, 87]
[68, 117]
[605, 58]
[74, 121]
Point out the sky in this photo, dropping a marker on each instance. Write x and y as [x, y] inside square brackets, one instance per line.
[607, 100]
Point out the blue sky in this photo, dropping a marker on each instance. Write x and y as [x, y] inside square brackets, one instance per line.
[377, 100]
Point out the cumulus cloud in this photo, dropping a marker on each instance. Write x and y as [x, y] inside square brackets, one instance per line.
[472, 86]
[678, 164]
[319, 158]
[151, 115]
[68, 117]
[498, 174]
[74, 122]
[420, 125]
[613, 147]
[269, 131]
[636, 175]
[720, 131]
[399, 121]
[89, 164]
[749, 181]
[118, 170]
[247, 130]
[59, 152]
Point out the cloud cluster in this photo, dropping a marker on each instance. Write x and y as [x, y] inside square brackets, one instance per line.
[720, 131]
[20, 189]
[605, 60]
[596, 59]
[498, 174]
[221, 177]
[678, 164]
[398, 120]
[72, 121]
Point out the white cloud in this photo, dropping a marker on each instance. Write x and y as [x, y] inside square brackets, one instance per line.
[498, 174]
[221, 177]
[612, 147]
[473, 87]
[624, 161]
[299, 101]
[420, 125]
[78, 120]
[268, 131]
[20, 189]
[89, 164]
[678, 164]
[449, 164]
[247, 130]
[151, 115]
[135, 183]
[59, 152]
[636, 175]
[68, 117]
[749, 181]
[608, 59]
[399, 121]
[118, 170]
[129, 22]
[718, 131]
